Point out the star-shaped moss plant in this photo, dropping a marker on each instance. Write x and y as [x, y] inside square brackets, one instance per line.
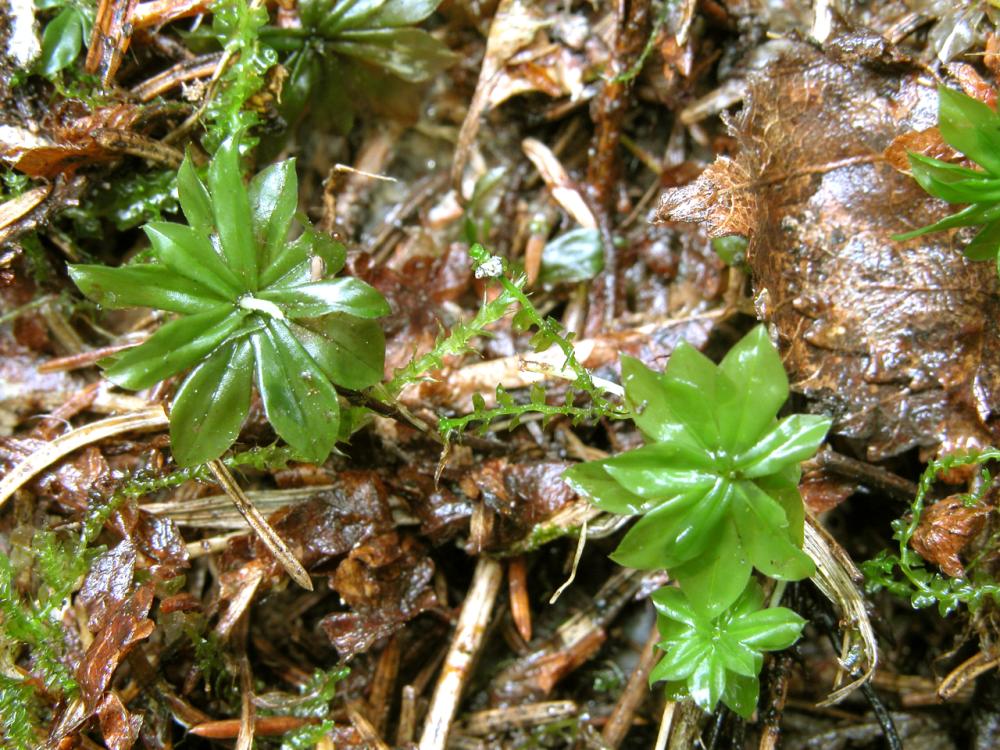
[717, 484]
[251, 306]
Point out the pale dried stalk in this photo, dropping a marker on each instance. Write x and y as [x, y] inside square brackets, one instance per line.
[496, 720]
[965, 673]
[144, 419]
[835, 576]
[259, 524]
[369, 735]
[665, 723]
[465, 646]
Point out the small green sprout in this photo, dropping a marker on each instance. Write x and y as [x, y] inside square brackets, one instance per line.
[250, 303]
[719, 659]
[717, 488]
[972, 128]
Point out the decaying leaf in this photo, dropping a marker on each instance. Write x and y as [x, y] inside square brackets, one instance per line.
[386, 583]
[946, 527]
[897, 341]
[125, 626]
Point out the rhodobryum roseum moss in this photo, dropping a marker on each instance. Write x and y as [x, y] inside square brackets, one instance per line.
[251, 306]
[716, 485]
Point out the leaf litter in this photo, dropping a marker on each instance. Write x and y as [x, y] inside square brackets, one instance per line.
[545, 131]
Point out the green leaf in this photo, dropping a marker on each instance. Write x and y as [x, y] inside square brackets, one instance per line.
[211, 404]
[708, 681]
[741, 694]
[763, 530]
[62, 40]
[593, 482]
[393, 13]
[290, 267]
[142, 286]
[231, 208]
[713, 582]
[952, 182]
[695, 389]
[971, 127]
[333, 253]
[411, 54]
[299, 401]
[344, 295]
[791, 441]
[978, 213]
[731, 249]
[771, 629]
[986, 244]
[349, 350]
[651, 543]
[575, 256]
[646, 396]
[736, 656]
[305, 76]
[746, 413]
[174, 347]
[673, 604]
[274, 196]
[681, 659]
[195, 201]
[662, 470]
[347, 14]
[187, 253]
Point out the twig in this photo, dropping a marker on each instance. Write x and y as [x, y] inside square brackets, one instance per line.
[635, 691]
[520, 606]
[143, 419]
[369, 735]
[260, 525]
[665, 722]
[465, 646]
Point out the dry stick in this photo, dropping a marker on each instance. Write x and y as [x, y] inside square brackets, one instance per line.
[248, 709]
[369, 735]
[635, 691]
[260, 525]
[520, 606]
[407, 716]
[465, 646]
[665, 722]
[143, 419]
[383, 682]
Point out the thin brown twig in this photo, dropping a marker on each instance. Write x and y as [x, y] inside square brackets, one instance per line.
[634, 693]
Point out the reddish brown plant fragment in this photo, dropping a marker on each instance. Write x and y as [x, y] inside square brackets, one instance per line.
[946, 527]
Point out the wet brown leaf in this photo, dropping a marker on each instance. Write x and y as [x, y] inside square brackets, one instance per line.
[522, 495]
[822, 492]
[946, 527]
[386, 582]
[119, 727]
[896, 340]
[125, 626]
[328, 525]
[925, 142]
[107, 584]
